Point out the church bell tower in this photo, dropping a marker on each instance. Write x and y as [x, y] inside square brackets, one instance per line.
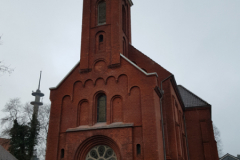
[106, 32]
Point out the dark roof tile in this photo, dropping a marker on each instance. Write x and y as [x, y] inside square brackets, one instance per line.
[190, 99]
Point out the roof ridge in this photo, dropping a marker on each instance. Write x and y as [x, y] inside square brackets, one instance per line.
[150, 59]
[194, 94]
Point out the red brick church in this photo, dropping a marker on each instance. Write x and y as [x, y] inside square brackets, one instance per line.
[118, 104]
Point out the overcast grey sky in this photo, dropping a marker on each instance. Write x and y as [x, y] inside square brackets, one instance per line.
[196, 40]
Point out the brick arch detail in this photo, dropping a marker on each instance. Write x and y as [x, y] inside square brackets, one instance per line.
[116, 109]
[133, 88]
[77, 86]
[83, 112]
[109, 78]
[93, 141]
[136, 108]
[65, 111]
[98, 81]
[100, 46]
[65, 98]
[103, 67]
[88, 80]
[121, 76]
[97, 2]
[97, 60]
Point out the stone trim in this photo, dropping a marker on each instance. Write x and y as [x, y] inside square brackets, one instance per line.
[136, 66]
[100, 126]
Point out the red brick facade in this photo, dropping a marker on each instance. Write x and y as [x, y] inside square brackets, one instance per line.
[200, 133]
[136, 108]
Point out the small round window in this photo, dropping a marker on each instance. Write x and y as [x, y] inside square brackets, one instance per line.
[101, 152]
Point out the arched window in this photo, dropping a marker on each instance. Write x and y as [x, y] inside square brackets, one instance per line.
[101, 152]
[100, 43]
[101, 38]
[138, 149]
[102, 12]
[101, 108]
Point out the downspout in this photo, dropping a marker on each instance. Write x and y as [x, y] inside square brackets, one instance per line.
[186, 136]
[164, 147]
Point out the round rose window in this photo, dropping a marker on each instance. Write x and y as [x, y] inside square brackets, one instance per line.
[101, 152]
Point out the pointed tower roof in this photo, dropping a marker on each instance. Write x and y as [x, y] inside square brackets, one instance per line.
[190, 99]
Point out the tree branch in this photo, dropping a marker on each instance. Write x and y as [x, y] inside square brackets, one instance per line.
[5, 69]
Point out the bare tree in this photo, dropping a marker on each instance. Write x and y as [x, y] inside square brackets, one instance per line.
[13, 108]
[13, 112]
[4, 68]
[43, 118]
[217, 136]
[23, 113]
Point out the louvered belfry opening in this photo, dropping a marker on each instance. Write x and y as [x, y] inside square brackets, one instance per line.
[101, 12]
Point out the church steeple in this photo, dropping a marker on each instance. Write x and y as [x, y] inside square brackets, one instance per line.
[106, 32]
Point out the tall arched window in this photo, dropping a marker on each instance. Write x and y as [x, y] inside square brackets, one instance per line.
[102, 12]
[101, 108]
[124, 23]
[138, 149]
